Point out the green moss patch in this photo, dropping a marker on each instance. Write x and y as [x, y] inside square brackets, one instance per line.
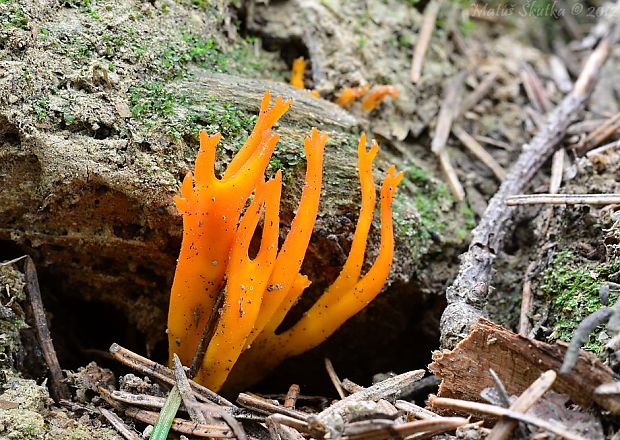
[573, 292]
[441, 219]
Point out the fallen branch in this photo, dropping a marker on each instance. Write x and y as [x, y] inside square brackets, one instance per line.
[467, 295]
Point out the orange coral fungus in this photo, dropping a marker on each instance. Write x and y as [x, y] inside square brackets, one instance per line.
[297, 75]
[350, 94]
[349, 294]
[259, 292]
[377, 95]
[211, 208]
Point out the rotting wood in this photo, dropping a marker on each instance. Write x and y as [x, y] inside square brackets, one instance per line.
[521, 360]
[57, 384]
[467, 295]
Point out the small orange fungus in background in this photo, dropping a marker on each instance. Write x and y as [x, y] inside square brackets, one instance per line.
[350, 94]
[377, 95]
[297, 75]
[258, 292]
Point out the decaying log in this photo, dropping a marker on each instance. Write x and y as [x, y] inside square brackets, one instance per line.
[519, 361]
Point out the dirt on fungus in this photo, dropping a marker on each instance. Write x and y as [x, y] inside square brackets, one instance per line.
[100, 103]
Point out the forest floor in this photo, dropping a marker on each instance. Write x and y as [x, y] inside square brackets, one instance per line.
[100, 105]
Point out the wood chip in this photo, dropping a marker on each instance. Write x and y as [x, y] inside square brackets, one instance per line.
[521, 361]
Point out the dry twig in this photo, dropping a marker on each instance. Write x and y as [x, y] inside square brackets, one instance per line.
[424, 38]
[119, 425]
[479, 92]
[185, 390]
[603, 132]
[207, 334]
[492, 410]
[534, 89]
[563, 199]
[477, 150]
[603, 149]
[178, 425]
[334, 378]
[57, 385]
[527, 301]
[266, 407]
[393, 387]
[415, 410]
[503, 428]
[291, 396]
[164, 374]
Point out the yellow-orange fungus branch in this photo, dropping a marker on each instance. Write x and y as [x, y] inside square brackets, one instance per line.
[297, 75]
[258, 292]
[377, 95]
[246, 282]
[211, 208]
[344, 298]
[350, 94]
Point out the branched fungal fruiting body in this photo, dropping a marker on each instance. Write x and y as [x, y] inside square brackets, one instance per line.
[297, 74]
[259, 292]
[377, 95]
[350, 94]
